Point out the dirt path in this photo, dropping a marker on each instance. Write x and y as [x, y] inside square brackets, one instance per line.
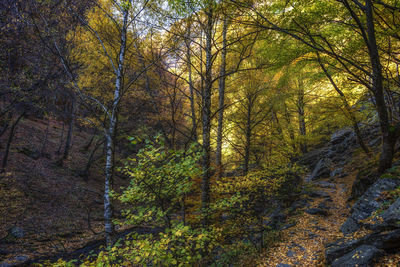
[303, 244]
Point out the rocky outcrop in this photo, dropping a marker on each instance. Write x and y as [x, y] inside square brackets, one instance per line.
[362, 256]
[321, 170]
[385, 227]
[341, 145]
[327, 161]
[368, 203]
[363, 181]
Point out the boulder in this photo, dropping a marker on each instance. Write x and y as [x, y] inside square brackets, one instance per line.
[389, 219]
[362, 256]
[310, 159]
[317, 211]
[391, 216]
[275, 218]
[299, 204]
[318, 194]
[340, 136]
[386, 240]
[368, 203]
[363, 181]
[325, 184]
[336, 172]
[16, 232]
[341, 144]
[321, 170]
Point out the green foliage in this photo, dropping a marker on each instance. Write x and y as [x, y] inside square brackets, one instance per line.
[160, 180]
[392, 173]
[234, 254]
[178, 246]
[244, 198]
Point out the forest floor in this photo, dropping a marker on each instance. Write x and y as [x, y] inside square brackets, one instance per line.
[58, 210]
[304, 243]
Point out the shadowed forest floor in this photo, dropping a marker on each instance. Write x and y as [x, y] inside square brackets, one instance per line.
[303, 244]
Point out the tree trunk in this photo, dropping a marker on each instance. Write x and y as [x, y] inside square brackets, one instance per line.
[10, 137]
[248, 138]
[206, 119]
[191, 87]
[389, 137]
[43, 149]
[347, 108]
[221, 104]
[61, 139]
[6, 124]
[302, 121]
[87, 146]
[69, 134]
[290, 128]
[110, 135]
[86, 171]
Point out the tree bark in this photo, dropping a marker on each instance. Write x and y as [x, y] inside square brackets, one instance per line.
[302, 121]
[69, 134]
[10, 137]
[221, 104]
[110, 135]
[248, 137]
[6, 124]
[43, 149]
[61, 139]
[206, 119]
[347, 108]
[191, 87]
[389, 137]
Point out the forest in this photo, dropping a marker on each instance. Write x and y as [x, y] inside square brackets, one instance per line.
[200, 133]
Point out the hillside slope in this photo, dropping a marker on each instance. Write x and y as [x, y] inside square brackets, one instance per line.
[47, 208]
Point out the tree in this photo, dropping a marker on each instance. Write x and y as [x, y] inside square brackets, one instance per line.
[310, 23]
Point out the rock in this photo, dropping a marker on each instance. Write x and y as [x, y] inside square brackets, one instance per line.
[368, 203]
[339, 248]
[349, 226]
[388, 220]
[325, 184]
[287, 226]
[312, 235]
[363, 181]
[22, 258]
[375, 142]
[274, 218]
[16, 232]
[299, 204]
[387, 240]
[290, 253]
[321, 170]
[320, 228]
[324, 205]
[391, 216]
[310, 159]
[294, 245]
[317, 211]
[361, 257]
[318, 194]
[340, 136]
[336, 172]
